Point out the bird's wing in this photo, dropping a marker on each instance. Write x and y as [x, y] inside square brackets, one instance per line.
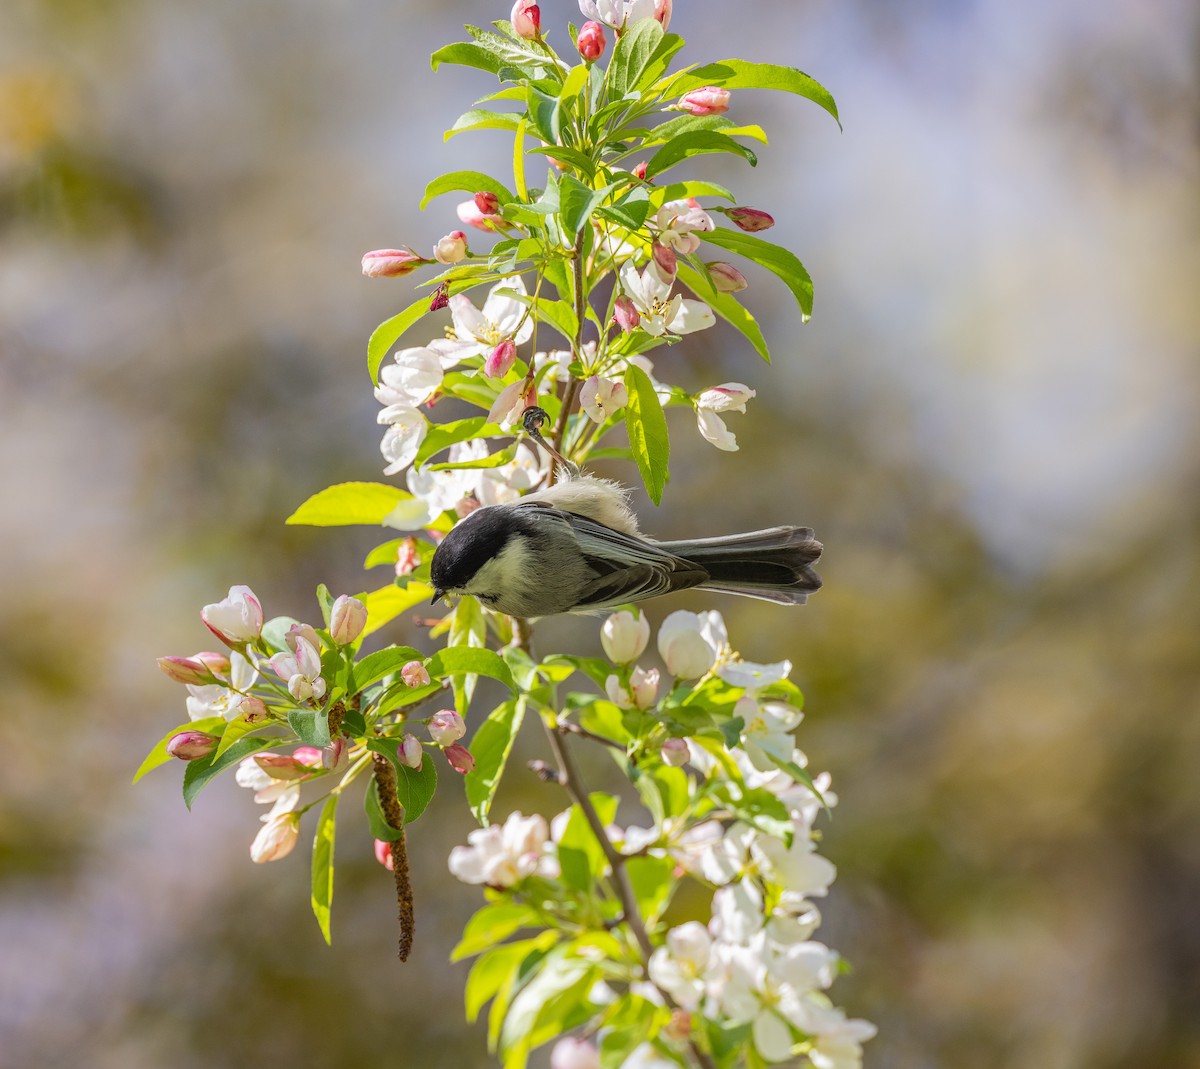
[627, 568]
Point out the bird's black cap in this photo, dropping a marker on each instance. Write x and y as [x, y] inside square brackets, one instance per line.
[469, 546]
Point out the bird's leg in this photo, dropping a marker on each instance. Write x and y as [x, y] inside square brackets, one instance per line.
[532, 421]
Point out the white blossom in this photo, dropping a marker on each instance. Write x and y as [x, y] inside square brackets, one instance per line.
[690, 642]
[402, 439]
[677, 220]
[477, 332]
[413, 377]
[301, 670]
[680, 968]
[767, 736]
[503, 856]
[213, 699]
[662, 313]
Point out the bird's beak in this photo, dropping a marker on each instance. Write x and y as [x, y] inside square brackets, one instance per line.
[437, 596]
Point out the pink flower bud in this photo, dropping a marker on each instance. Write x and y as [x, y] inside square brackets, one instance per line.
[253, 709]
[237, 619]
[196, 669]
[302, 631]
[624, 636]
[643, 686]
[390, 263]
[308, 756]
[750, 219]
[460, 758]
[383, 854]
[411, 752]
[662, 12]
[707, 101]
[441, 298]
[415, 674]
[500, 359]
[640, 171]
[446, 727]
[625, 315]
[675, 752]
[407, 557]
[527, 20]
[679, 1027]
[665, 260]
[347, 618]
[452, 248]
[727, 278]
[488, 203]
[591, 41]
[191, 745]
[333, 754]
[572, 1053]
[276, 839]
[281, 767]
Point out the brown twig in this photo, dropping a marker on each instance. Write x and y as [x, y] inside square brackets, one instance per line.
[389, 803]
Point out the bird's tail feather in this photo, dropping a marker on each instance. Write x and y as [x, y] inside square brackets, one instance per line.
[772, 565]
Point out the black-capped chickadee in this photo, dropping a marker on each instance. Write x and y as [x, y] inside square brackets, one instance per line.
[575, 547]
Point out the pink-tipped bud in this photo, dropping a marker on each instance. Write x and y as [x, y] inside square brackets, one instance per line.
[662, 12]
[308, 757]
[460, 758]
[415, 674]
[452, 248]
[280, 766]
[665, 259]
[625, 635]
[643, 687]
[727, 278]
[383, 854]
[252, 709]
[640, 171]
[333, 754]
[302, 631]
[441, 298]
[707, 101]
[625, 315]
[675, 752]
[500, 360]
[750, 219]
[237, 619]
[390, 263]
[446, 727]
[411, 752]
[679, 1027]
[470, 213]
[591, 41]
[347, 618]
[192, 745]
[488, 203]
[199, 669]
[572, 1053]
[407, 557]
[276, 839]
[527, 20]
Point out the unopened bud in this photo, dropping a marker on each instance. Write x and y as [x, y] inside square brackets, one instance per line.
[727, 278]
[707, 101]
[665, 260]
[460, 758]
[411, 752]
[750, 219]
[407, 557]
[390, 263]
[383, 853]
[452, 248]
[301, 631]
[488, 203]
[276, 839]
[333, 754]
[640, 171]
[469, 212]
[527, 20]
[625, 315]
[235, 620]
[446, 727]
[643, 687]
[308, 756]
[675, 752]
[197, 669]
[347, 618]
[500, 359]
[662, 12]
[591, 41]
[280, 766]
[415, 674]
[679, 1027]
[624, 636]
[252, 709]
[192, 745]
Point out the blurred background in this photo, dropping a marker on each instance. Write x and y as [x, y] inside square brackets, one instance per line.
[991, 421]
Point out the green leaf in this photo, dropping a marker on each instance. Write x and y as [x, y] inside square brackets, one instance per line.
[491, 925]
[698, 143]
[465, 181]
[311, 725]
[199, 774]
[772, 257]
[443, 435]
[465, 54]
[345, 504]
[214, 725]
[375, 666]
[630, 211]
[739, 74]
[385, 604]
[660, 60]
[727, 306]
[577, 202]
[414, 787]
[652, 884]
[542, 1007]
[235, 730]
[686, 124]
[470, 660]
[632, 54]
[519, 160]
[579, 854]
[544, 114]
[495, 973]
[376, 821]
[322, 865]
[684, 190]
[482, 119]
[390, 331]
[799, 774]
[490, 747]
[647, 428]
[492, 460]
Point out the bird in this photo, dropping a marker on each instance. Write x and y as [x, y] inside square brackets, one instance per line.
[575, 547]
